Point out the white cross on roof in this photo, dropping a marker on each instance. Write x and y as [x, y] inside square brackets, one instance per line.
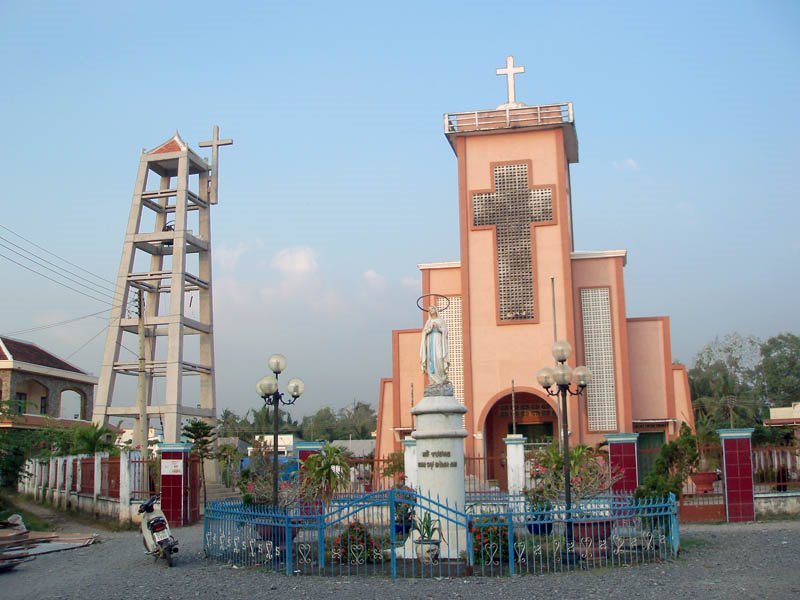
[510, 71]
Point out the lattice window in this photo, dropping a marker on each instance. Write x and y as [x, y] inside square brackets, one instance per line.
[512, 207]
[599, 350]
[455, 343]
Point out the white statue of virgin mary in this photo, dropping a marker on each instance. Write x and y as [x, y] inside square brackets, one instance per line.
[433, 355]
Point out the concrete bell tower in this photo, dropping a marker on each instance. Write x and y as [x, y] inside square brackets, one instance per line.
[164, 294]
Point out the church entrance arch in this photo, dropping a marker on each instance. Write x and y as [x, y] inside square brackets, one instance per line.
[534, 418]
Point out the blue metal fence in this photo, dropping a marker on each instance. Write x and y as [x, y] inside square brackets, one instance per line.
[372, 535]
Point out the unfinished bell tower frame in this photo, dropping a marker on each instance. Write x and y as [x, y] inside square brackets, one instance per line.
[164, 270]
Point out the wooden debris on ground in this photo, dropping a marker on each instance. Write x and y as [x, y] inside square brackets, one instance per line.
[18, 545]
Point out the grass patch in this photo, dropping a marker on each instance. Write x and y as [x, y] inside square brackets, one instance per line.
[32, 522]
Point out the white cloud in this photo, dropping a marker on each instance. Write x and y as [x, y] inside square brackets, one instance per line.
[374, 281]
[227, 257]
[627, 164]
[295, 262]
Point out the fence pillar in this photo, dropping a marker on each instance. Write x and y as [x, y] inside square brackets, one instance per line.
[68, 478]
[58, 493]
[515, 462]
[175, 484]
[737, 460]
[124, 487]
[410, 462]
[38, 492]
[623, 456]
[98, 482]
[52, 474]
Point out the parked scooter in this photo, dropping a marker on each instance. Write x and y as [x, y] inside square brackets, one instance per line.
[156, 536]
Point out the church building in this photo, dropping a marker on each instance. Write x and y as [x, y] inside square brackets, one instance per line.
[521, 284]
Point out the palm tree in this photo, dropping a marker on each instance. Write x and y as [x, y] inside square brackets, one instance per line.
[324, 473]
[90, 439]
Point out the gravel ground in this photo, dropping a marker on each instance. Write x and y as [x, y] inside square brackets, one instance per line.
[753, 560]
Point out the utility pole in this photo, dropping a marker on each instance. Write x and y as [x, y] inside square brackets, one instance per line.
[140, 439]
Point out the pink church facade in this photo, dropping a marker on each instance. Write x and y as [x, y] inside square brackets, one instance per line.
[519, 283]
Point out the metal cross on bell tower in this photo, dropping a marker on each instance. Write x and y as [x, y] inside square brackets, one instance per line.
[165, 273]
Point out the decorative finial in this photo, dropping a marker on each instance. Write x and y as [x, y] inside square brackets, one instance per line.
[510, 71]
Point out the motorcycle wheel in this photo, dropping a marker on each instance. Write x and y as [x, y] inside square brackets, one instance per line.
[168, 555]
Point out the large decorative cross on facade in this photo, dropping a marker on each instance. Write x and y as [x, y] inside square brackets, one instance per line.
[214, 143]
[511, 208]
[510, 71]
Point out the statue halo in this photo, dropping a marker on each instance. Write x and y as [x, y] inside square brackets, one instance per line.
[423, 309]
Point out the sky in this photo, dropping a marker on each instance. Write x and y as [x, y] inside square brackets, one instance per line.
[340, 180]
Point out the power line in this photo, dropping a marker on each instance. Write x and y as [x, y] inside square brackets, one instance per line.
[60, 272]
[88, 342]
[59, 323]
[106, 288]
[56, 255]
[61, 283]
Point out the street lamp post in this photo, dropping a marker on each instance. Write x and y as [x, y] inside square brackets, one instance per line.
[267, 388]
[562, 375]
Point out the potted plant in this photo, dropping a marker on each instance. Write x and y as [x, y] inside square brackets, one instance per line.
[539, 513]
[539, 496]
[405, 501]
[426, 545]
[590, 476]
[708, 451]
[323, 474]
[256, 487]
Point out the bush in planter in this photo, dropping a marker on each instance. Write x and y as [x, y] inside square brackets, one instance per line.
[490, 539]
[356, 545]
[672, 467]
[590, 475]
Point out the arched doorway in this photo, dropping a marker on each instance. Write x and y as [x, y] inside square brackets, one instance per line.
[534, 418]
[72, 404]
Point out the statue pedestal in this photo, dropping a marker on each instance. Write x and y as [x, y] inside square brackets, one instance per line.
[440, 437]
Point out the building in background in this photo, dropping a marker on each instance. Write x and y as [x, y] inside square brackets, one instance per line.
[36, 384]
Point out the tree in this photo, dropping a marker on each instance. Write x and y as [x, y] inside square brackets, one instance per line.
[202, 437]
[727, 367]
[92, 438]
[229, 424]
[780, 367]
[228, 455]
[725, 384]
[358, 422]
[322, 425]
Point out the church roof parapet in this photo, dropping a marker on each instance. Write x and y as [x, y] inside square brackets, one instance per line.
[587, 255]
[545, 116]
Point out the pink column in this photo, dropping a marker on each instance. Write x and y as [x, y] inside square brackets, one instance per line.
[175, 482]
[622, 454]
[738, 468]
